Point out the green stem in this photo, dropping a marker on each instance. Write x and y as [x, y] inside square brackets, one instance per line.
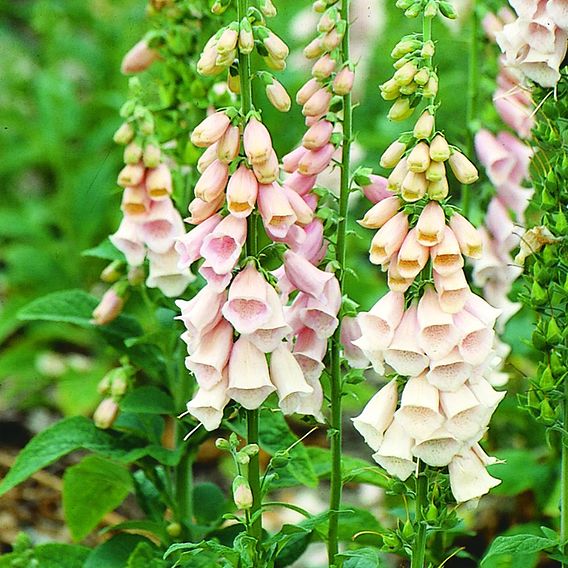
[336, 379]
[427, 36]
[564, 478]
[472, 96]
[252, 416]
[419, 545]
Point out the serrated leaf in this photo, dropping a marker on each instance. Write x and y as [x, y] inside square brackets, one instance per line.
[91, 489]
[63, 438]
[148, 400]
[517, 544]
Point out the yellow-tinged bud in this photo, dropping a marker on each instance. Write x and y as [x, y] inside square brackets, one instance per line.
[124, 134]
[436, 171]
[394, 181]
[392, 155]
[422, 77]
[234, 83]
[428, 49]
[424, 126]
[246, 38]
[242, 494]
[132, 153]
[409, 89]
[413, 186]
[438, 190]
[314, 49]
[401, 109]
[278, 96]
[228, 41]
[439, 149]
[405, 74]
[275, 64]
[431, 88]
[390, 90]
[419, 158]
[463, 169]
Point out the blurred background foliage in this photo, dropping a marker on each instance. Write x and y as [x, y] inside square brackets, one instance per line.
[60, 93]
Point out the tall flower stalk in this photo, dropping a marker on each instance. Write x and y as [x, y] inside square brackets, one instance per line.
[431, 335]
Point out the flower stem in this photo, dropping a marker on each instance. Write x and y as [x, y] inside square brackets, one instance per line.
[564, 481]
[472, 95]
[336, 380]
[419, 546]
[252, 416]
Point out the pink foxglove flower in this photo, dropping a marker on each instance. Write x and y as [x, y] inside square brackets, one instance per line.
[350, 332]
[469, 478]
[449, 373]
[128, 241]
[161, 226]
[207, 405]
[242, 192]
[109, 308]
[309, 350]
[438, 449]
[247, 307]
[189, 245]
[222, 247]
[304, 276]
[203, 312]
[249, 380]
[139, 58]
[275, 209]
[395, 452]
[165, 274]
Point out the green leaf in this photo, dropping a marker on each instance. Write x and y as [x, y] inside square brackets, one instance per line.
[51, 555]
[148, 400]
[517, 544]
[63, 438]
[154, 528]
[115, 552]
[521, 471]
[209, 501]
[145, 556]
[91, 489]
[105, 250]
[362, 558]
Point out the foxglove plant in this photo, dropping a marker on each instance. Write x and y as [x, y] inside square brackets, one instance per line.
[430, 329]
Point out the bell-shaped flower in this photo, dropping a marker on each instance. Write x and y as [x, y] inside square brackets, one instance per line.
[217, 282]
[453, 290]
[477, 339]
[438, 449]
[487, 396]
[450, 372]
[249, 379]
[404, 354]
[418, 412]
[321, 314]
[431, 225]
[412, 256]
[481, 309]
[309, 350]
[300, 183]
[377, 190]
[314, 247]
[164, 273]
[303, 212]
[351, 331]
[269, 336]
[161, 226]
[257, 141]
[314, 162]
[159, 182]
[203, 312]
[267, 172]
[304, 276]
[380, 213]
[317, 135]
[311, 404]
[138, 58]
[468, 477]
[465, 416]
[380, 322]
[275, 209]
[291, 160]
[496, 159]
[131, 175]
[396, 282]
[189, 245]
[395, 452]
[222, 247]
[212, 355]
[207, 405]
[247, 307]
[242, 191]
[438, 335]
[229, 144]
[127, 240]
[135, 202]
[388, 239]
[467, 235]
[200, 210]
[211, 185]
[446, 256]
[287, 376]
[210, 129]
[377, 415]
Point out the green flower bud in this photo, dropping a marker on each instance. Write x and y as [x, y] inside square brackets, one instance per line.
[414, 10]
[539, 295]
[173, 529]
[408, 530]
[404, 47]
[546, 381]
[242, 494]
[553, 333]
[547, 414]
[431, 9]
[432, 513]
[222, 444]
[448, 10]
[556, 365]
[428, 49]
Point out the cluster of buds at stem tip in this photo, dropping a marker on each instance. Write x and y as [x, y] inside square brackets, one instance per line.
[220, 54]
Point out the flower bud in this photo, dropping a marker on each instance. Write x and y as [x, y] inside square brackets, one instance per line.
[314, 49]
[131, 175]
[328, 21]
[139, 58]
[267, 171]
[400, 110]
[109, 308]
[409, 89]
[424, 126]
[323, 67]
[317, 135]
[436, 171]
[447, 10]
[267, 8]
[151, 156]
[331, 39]
[124, 134]
[318, 103]
[278, 96]
[136, 275]
[343, 82]
[229, 145]
[467, 235]
[404, 47]
[319, 6]
[242, 191]
[112, 272]
[392, 155]
[421, 78]
[438, 190]
[307, 90]
[246, 37]
[439, 149]
[430, 90]
[207, 62]
[397, 176]
[431, 9]
[132, 153]
[159, 182]
[276, 48]
[233, 83]
[257, 141]
[419, 158]
[428, 49]
[228, 41]
[212, 182]
[463, 169]
[210, 129]
[242, 494]
[105, 414]
[207, 158]
[413, 186]
[405, 74]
